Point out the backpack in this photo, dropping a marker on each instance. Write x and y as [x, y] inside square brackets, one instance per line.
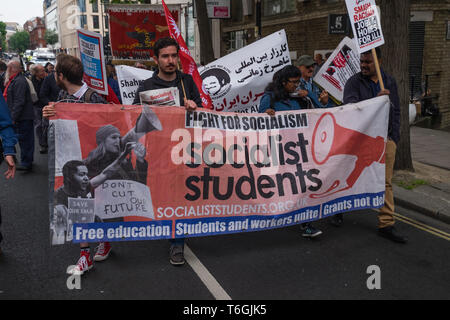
[86, 97]
[34, 96]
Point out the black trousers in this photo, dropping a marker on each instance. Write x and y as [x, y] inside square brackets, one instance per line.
[1, 237]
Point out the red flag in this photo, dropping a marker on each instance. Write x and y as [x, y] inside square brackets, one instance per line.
[187, 62]
[112, 97]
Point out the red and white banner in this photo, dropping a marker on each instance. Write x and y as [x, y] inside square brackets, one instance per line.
[187, 62]
[147, 172]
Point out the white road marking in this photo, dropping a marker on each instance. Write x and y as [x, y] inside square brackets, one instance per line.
[208, 280]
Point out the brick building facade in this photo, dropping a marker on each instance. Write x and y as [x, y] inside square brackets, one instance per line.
[36, 29]
[306, 24]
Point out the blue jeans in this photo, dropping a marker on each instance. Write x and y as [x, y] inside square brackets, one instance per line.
[25, 134]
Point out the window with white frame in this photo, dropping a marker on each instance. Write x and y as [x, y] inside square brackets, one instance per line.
[273, 7]
[237, 40]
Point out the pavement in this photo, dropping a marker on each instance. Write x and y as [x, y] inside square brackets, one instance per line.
[427, 189]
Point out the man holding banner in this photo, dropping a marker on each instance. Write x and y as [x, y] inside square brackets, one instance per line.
[69, 77]
[166, 56]
[366, 85]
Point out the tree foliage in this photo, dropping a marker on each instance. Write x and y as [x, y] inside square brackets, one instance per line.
[51, 37]
[20, 41]
[3, 35]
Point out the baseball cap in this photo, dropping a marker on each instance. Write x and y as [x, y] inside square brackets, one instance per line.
[304, 61]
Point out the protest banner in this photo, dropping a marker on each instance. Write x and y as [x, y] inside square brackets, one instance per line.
[162, 172]
[129, 79]
[339, 67]
[93, 59]
[134, 29]
[236, 82]
[366, 25]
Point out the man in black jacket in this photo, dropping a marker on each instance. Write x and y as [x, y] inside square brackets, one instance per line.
[49, 90]
[167, 76]
[18, 97]
[38, 75]
[365, 85]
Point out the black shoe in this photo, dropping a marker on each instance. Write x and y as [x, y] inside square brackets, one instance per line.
[23, 168]
[337, 220]
[43, 150]
[308, 231]
[391, 234]
[177, 255]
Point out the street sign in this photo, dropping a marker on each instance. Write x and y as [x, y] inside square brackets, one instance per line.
[217, 9]
[338, 24]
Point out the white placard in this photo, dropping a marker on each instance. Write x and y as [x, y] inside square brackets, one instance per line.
[366, 25]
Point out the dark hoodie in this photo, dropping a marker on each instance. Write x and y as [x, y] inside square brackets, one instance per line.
[358, 88]
[156, 82]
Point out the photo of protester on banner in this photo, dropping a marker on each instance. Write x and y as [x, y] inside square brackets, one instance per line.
[236, 82]
[114, 160]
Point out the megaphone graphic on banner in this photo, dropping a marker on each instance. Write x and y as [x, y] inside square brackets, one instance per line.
[147, 121]
[330, 139]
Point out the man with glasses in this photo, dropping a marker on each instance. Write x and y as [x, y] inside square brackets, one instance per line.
[308, 88]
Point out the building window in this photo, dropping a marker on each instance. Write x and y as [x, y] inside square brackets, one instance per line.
[95, 6]
[190, 29]
[83, 21]
[238, 39]
[273, 7]
[95, 22]
[82, 5]
[448, 31]
[106, 22]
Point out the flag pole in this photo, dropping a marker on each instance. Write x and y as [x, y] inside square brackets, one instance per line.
[181, 79]
[377, 67]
